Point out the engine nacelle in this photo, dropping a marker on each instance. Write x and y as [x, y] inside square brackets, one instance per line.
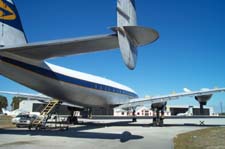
[203, 99]
[159, 105]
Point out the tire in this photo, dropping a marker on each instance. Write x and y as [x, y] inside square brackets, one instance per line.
[161, 124]
[154, 123]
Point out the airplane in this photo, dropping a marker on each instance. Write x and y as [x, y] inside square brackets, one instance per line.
[25, 63]
[17, 112]
[6, 112]
[36, 97]
[189, 112]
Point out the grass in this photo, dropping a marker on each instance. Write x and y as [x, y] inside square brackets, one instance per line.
[16, 143]
[5, 122]
[209, 138]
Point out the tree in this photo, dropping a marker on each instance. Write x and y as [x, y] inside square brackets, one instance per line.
[3, 102]
[16, 101]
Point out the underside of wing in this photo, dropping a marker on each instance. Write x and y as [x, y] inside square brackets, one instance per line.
[28, 96]
[45, 50]
[52, 49]
[39, 97]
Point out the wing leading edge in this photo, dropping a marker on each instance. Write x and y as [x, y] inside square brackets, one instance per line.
[165, 98]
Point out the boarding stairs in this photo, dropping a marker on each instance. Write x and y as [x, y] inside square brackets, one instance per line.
[41, 120]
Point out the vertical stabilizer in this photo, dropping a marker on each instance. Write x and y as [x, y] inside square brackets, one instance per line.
[126, 16]
[126, 13]
[11, 30]
[4, 111]
[130, 35]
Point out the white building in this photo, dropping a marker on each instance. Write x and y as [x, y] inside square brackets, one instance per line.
[171, 110]
[27, 105]
[34, 106]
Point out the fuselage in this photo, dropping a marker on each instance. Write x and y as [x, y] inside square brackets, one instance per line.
[64, 84]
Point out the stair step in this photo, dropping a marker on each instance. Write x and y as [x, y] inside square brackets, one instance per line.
[46, 110]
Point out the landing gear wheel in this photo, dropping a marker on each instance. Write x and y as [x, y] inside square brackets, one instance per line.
[72, 120]
[134, 119]
[161, 124]
[158, 114]
[154, 122]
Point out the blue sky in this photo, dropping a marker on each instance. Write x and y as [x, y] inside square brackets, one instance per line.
[189, 53]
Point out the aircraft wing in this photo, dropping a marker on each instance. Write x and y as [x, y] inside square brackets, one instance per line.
[29, 96]
[165, 98]
[52, 49]
[127, 36]
[39, 97]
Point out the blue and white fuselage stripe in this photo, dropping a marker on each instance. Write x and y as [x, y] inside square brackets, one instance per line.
[68, 79]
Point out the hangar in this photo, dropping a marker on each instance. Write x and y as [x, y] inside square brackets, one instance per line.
[171, 110]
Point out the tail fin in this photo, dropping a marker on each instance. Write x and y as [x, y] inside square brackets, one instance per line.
[11, 30]
[126, 13]
[4, 111]
[130, 36]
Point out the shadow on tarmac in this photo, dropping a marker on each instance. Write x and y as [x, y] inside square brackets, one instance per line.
[81, 131]
[130, 123]
[75, 132]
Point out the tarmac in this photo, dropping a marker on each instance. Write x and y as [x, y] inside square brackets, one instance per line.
[101, 134]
